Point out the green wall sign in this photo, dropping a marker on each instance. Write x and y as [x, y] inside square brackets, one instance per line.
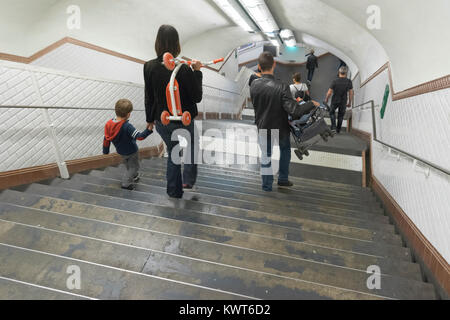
[385, 100]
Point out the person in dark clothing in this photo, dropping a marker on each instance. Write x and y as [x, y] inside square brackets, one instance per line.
[272, 101]
[156, 78]
[254, 77]
[341, 64]
[342, 90]
[123, 136]
[311, 65]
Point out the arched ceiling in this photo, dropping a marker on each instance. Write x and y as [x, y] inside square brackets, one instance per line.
[414, 32]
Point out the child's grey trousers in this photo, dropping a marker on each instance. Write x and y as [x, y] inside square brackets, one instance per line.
[131, 169]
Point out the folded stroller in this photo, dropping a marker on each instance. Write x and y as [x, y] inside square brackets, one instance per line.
[309, 129]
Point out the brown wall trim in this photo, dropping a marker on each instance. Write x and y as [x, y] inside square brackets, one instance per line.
[247, 62]
[57, 44]
[427, 87]
[377, 73]
[429, 255]
[26, 176]
[367, 137]
[30, 175]
[13, 58]
[364, 169]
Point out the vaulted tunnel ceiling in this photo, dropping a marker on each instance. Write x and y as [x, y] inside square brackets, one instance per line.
[412, 30]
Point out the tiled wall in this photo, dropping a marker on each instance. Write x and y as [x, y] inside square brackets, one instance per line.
[76, 59]
[23, 133]
[84, 61]
[82, 78]
[419, 125]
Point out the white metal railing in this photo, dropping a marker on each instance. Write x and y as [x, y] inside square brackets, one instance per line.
[57, 99]
[417, 162]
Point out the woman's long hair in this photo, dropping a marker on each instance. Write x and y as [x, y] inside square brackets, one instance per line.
[167, 40]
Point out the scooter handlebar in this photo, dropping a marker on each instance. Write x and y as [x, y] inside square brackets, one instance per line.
[170, 62]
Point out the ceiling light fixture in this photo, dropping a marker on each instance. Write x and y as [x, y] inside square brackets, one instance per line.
[288, 37]
[260, 13]
[233, 10]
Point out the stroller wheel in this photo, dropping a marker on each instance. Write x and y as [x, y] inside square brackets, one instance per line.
[299, 154]
[324, 137]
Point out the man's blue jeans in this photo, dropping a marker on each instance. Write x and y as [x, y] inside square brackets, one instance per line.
[266, 144]
[173, 173]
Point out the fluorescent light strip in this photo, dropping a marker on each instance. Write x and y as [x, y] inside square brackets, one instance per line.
[288, 37]
[260, 13]
[233, 14]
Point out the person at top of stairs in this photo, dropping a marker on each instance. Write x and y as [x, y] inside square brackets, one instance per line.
[123, 135]
[273, 103]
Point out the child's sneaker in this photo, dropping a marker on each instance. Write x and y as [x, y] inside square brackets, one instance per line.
[137, 178]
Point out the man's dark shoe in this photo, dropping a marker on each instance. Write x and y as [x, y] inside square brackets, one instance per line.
[285, 183]
[130, 187]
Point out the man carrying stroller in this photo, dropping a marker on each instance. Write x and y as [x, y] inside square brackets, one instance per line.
[272, 101]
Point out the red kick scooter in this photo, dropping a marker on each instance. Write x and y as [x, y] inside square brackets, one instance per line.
[173, 91]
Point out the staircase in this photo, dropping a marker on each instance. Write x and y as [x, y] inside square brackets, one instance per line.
[227, 240]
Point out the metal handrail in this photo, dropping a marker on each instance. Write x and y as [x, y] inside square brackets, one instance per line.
[374, 128]
[208, 86]
[60, 108]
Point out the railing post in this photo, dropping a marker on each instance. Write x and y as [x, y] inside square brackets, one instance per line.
[220, 105]
[63, 171]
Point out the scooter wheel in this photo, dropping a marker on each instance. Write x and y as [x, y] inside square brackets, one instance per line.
[168, 61]
[186, 119]
[299, 154]
[165, 118]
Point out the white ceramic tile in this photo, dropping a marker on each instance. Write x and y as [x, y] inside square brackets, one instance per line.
[419, 125]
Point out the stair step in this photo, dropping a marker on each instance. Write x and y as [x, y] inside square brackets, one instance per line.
[110, 188]
[271, 204]
[314, 233]
[101, 282]
[204, 203]
[169, 266]
[214, 181]
[394, 287]
[301, 250]
[255, 183]
[254, 174]
[11, 289]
